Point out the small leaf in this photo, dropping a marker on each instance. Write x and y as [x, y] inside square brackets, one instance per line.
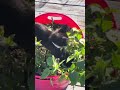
[68, 33]
[45, 73]
[74, 78]
[116, 60]
[49, 61]
[82, 79]
[81, 65]
[100, 68]
[72, 67]
[1, 31]
[70, 58]
[106, 25]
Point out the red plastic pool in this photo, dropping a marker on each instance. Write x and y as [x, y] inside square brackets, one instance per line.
[46, 84]
[58, 19]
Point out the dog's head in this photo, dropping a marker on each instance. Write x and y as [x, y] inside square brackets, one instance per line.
[59, 36]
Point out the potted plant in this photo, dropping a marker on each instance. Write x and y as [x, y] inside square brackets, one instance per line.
[13, 64]
[52, 73]
[48, 71]
[76, 48]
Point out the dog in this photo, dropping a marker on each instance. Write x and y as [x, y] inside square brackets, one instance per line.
[54, 40]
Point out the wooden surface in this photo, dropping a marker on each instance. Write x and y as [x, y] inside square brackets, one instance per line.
[72, 8]
[75, 9]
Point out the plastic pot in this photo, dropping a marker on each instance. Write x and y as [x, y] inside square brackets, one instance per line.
[104, 5]
[58, 19]
[45, 84]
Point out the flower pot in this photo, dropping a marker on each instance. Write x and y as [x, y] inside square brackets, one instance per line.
[58, 19]
[45, 84]
[104, 5]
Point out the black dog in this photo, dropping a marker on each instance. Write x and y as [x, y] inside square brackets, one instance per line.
[53, 40]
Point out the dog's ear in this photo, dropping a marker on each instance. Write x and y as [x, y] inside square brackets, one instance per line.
[62, 30]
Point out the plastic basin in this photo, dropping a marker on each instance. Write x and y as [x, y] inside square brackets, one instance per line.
[46, 84]
[58, 19]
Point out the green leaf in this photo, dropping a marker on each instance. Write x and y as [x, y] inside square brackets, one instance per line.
[117, 44]
[81, 65]
[55, 64]
[106, 24]
[68, 33]
[49, 61]
[83, 51]
[88, 75]
[82, 78]
[70, 58]
[116, 60]
[74, 77]
[72, 67]
[78, 36]
[100, 68]
[61, 62]
[1, 31]
[45, 73]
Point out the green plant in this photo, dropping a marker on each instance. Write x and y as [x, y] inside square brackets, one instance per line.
[47, 64]
[102, 48]
[13, 64]
[76, 48]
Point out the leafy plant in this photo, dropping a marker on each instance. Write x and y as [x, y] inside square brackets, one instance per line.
[102, 49]
[13, 64]
[49, 65]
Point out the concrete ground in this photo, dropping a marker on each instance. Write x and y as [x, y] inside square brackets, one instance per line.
[75, 88]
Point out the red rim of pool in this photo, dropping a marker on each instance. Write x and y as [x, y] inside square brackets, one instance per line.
[58, 18]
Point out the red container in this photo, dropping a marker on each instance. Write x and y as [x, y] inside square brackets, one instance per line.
[103, 4]
[58, 19]
[46, 84]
